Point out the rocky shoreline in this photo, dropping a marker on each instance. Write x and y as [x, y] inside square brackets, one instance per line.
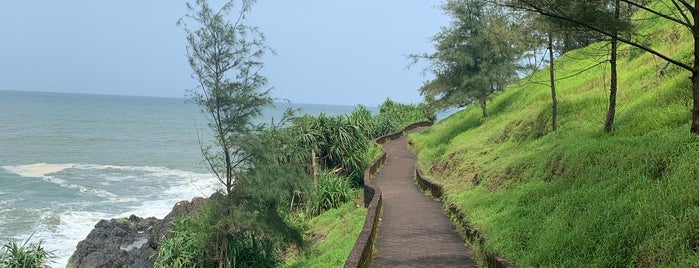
[129, 242]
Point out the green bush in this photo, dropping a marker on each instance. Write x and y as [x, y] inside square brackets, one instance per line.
[331, 192]
[394, 116]
[25, 255]
[192, 246]
[250, 250]
[181, 250]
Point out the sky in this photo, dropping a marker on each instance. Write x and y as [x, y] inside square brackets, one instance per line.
[343, 52]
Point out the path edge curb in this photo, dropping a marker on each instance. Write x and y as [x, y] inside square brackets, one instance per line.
[362, 252]
[468, 232]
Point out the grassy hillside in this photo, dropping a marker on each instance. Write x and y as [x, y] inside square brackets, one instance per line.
[579, 196]
[334, 233]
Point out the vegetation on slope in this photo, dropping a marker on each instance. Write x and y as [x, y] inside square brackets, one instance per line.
[332, 152]
[334, 232]
[269, 173]
[579, 196]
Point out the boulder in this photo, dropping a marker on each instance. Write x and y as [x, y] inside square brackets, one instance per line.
[129, 242]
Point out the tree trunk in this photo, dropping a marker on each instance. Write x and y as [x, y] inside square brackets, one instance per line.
[609, 123]
[567, 43]
[695, 77]
[695, 73]
[315, 168]
[484, 108]
[223, 255]
[552, 74]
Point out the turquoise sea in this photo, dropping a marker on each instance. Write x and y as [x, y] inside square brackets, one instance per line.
[69, 160]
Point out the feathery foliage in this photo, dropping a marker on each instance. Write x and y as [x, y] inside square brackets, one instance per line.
[476, 55]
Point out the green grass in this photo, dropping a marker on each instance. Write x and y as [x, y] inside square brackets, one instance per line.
[580, 197]
[335, 231]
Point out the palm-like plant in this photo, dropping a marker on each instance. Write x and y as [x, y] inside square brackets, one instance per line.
[24, 255]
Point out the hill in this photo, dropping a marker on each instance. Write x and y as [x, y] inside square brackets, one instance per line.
[578, 196]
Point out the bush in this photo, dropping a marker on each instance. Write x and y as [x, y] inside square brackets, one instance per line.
[250, 250]
[192, 247]
[25, 255]
[331, 192]
[394, 116]
[181, 250]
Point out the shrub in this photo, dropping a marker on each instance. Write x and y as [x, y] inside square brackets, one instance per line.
[181, 250]
[25, 255]
[331, 192]
[250, 250]
[191, 246]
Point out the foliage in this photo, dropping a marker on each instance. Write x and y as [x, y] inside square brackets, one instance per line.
[250, 250]
[246, 157]
[475, 56]
[196, 239]
[181, 250]
[394, 116]
[333, 234]
[673, 12]
[331, 192]
[338, 144]
[25, 255]
[224, 56]
[579, 197]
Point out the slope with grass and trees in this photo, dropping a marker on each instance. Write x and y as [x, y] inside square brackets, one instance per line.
[580, 196]
[276, 178]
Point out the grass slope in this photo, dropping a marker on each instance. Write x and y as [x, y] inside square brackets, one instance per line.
[337, 230]
[578, 196]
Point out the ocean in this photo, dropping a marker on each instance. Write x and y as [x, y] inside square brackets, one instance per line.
[70, 160]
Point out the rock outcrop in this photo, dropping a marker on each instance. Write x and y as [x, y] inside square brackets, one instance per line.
[128, 242]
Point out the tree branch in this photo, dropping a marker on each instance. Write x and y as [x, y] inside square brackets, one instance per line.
[686, 4]
[533, 8]
[657, 13]
[689, 22]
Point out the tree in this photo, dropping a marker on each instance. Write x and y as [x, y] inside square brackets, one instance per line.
[474, 59]
[598, 13]
[225, 58]
[679, 12]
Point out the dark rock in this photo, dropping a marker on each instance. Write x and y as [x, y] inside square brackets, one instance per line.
[129, 242]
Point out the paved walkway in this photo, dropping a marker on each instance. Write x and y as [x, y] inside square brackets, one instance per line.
[414, 231]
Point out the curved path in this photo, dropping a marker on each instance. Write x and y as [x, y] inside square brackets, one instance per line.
[414, 231]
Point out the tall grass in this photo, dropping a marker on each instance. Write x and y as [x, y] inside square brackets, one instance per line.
[579, 197]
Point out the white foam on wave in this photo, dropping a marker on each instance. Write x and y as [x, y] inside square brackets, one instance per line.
[82, 189]
[37, 170]
[187, 186]
[44, 171]
[63, 238]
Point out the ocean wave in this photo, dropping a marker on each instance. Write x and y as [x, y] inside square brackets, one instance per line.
[179, 180]
[83, 189]
[145, 191]
[37, 170]
[64, 237]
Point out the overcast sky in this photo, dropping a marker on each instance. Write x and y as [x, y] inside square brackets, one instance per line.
[328, 51]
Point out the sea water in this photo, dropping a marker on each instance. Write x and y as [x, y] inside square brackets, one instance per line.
[69, 160]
